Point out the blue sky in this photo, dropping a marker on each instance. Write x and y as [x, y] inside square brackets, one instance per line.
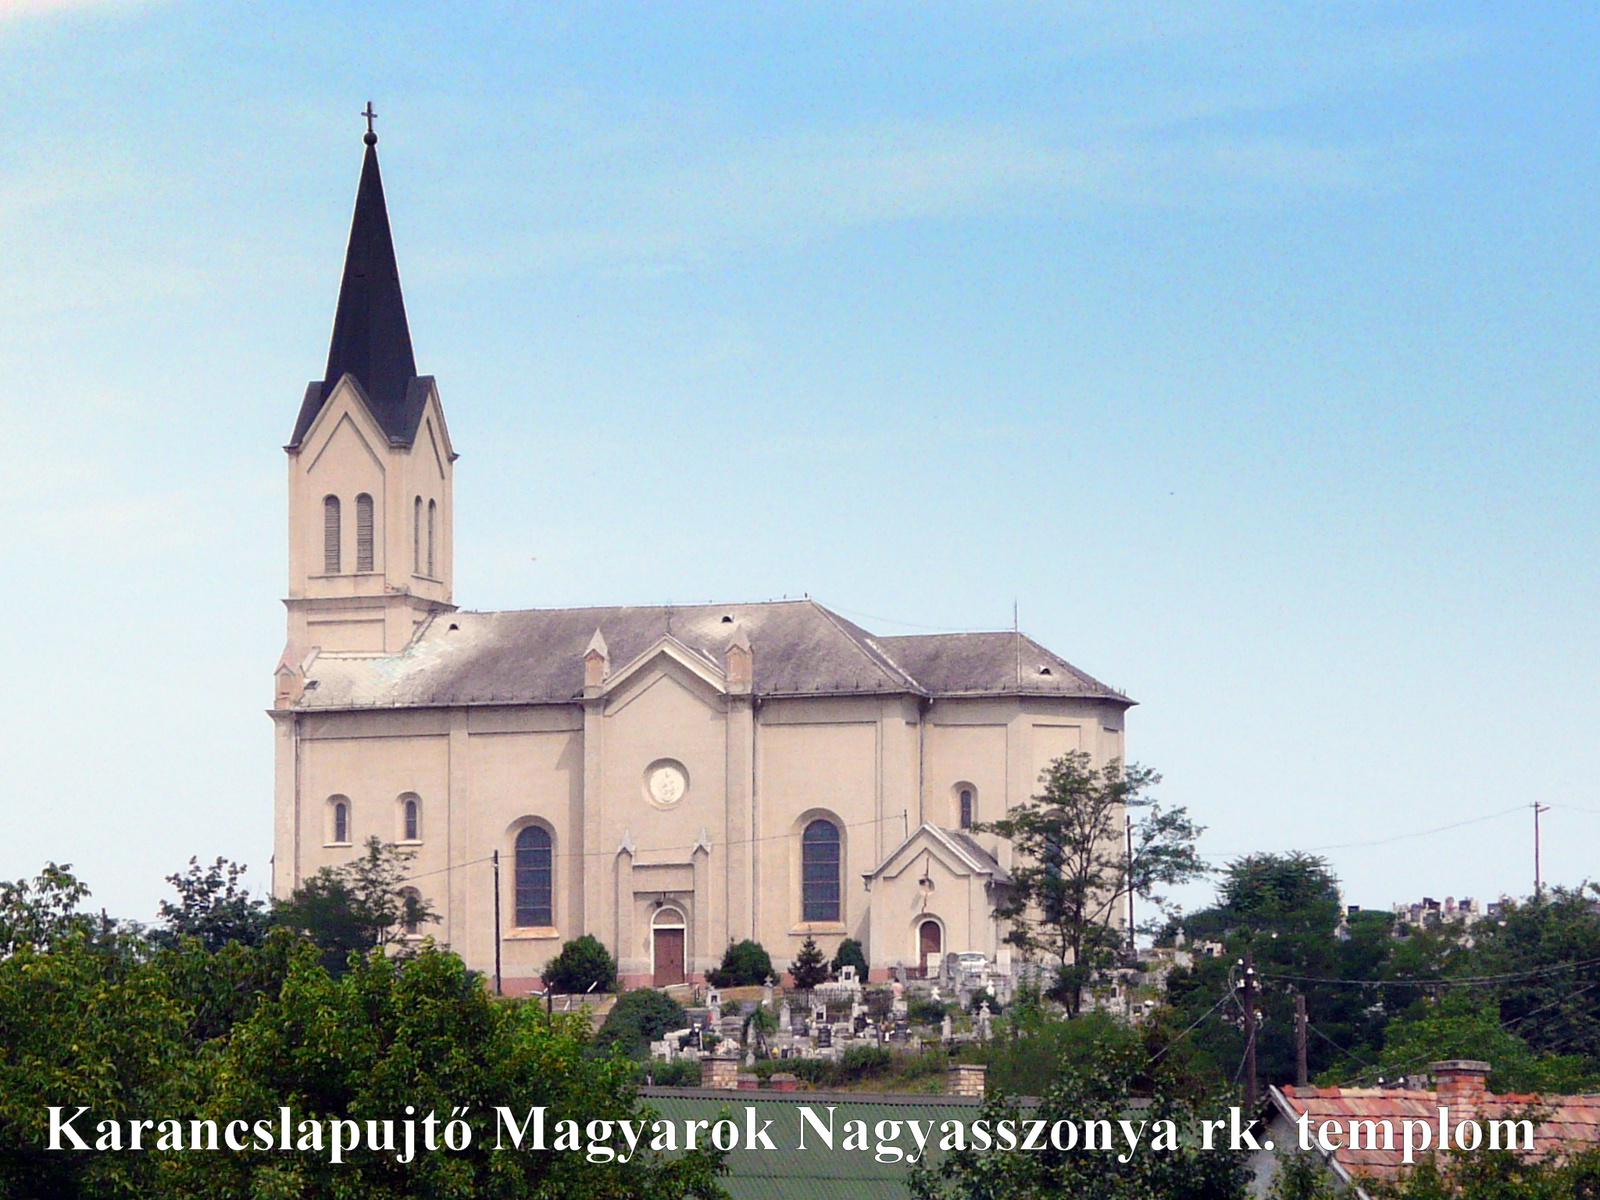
[1248, 347]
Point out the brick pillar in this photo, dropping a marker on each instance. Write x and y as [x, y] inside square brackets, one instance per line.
[965, 1079]
[718, 1071]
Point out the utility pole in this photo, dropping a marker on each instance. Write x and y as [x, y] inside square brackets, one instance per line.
[1249, 1033]
[1301, 1075]
[496, 860]
[1133, 948]
[1538, 877]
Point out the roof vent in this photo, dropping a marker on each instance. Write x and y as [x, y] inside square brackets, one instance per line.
[727, 618]
[453, 627]
[1045, 671]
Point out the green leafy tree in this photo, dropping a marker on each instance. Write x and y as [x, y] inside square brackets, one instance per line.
[359, 906]
[851, 953]
[1494, 1175]
[421, 1031]
[1098, 1082]
[638, 1018]
[42, 911]
[1466, 1023]
[808, 968]
[584, 966]
[743, 964]
[1286, 909]
[1073, 866]
[213, 908]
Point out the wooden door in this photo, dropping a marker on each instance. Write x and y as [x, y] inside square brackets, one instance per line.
[669, 957]
[931, 944]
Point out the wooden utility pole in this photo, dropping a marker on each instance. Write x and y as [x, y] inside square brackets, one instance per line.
[1301, 1075]
[1249, 1034]
[496, 860]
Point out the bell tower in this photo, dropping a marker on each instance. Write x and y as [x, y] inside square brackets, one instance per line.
[370, 464]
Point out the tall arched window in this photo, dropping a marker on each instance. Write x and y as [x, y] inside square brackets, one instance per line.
[411, 899]
[534, 877]
[966, 808]
[341, 821]
[820, 889]
[416, 536]
[363, 532]
[330, 535]
[410, 819]
[432, 509]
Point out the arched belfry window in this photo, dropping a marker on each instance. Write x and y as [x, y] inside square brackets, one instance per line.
[966, 808]
[416, 536]
[534, 877]
[432, 511]
[363, 532]
[820, 863]
[330, 535]
[410, 819]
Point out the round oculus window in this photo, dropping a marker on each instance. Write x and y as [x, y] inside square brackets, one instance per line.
[665, 782]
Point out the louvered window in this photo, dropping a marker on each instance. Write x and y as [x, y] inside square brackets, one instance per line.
[432, 509]
[363, 532]
[330, 535]
[820, 890]
[416, 537]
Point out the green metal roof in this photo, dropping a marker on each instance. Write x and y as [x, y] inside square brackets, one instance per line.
[815, 1173]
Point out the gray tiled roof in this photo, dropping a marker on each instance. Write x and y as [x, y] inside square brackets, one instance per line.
[798, 648]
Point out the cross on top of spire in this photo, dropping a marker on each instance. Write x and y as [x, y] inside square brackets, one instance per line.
[370, 138]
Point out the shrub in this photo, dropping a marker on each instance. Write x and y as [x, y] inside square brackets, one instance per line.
[640, 1017]
[743, 964]
[925, 1012]
[685, 1072]
[584, 965]
[808, 967]
[851, 953]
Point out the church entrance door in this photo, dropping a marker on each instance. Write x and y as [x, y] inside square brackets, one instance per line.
[930, 939]
[669, 949]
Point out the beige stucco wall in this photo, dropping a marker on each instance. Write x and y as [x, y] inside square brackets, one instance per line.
[726, 855]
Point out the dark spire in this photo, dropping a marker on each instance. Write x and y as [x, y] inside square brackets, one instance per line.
[371, 339]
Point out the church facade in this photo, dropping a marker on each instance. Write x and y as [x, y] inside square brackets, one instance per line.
[667, 778]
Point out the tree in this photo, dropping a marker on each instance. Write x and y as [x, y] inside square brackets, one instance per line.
[583, 966]
[44, 910]
[743, 964]
[212, 908]
[1097, 1081]
[808, 968]
[850, 954]
[638, 1018]
[1286, 909]
[1072, 863]
[1466, 1023]
[359, 906]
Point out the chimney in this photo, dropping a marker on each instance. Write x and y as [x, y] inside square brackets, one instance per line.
[720, 1071]
[965, 1079]
[1461, 1084]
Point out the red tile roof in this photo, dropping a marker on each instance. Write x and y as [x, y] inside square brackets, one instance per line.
[1566, 1123]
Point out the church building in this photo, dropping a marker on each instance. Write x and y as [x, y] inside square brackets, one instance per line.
[667, 778]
